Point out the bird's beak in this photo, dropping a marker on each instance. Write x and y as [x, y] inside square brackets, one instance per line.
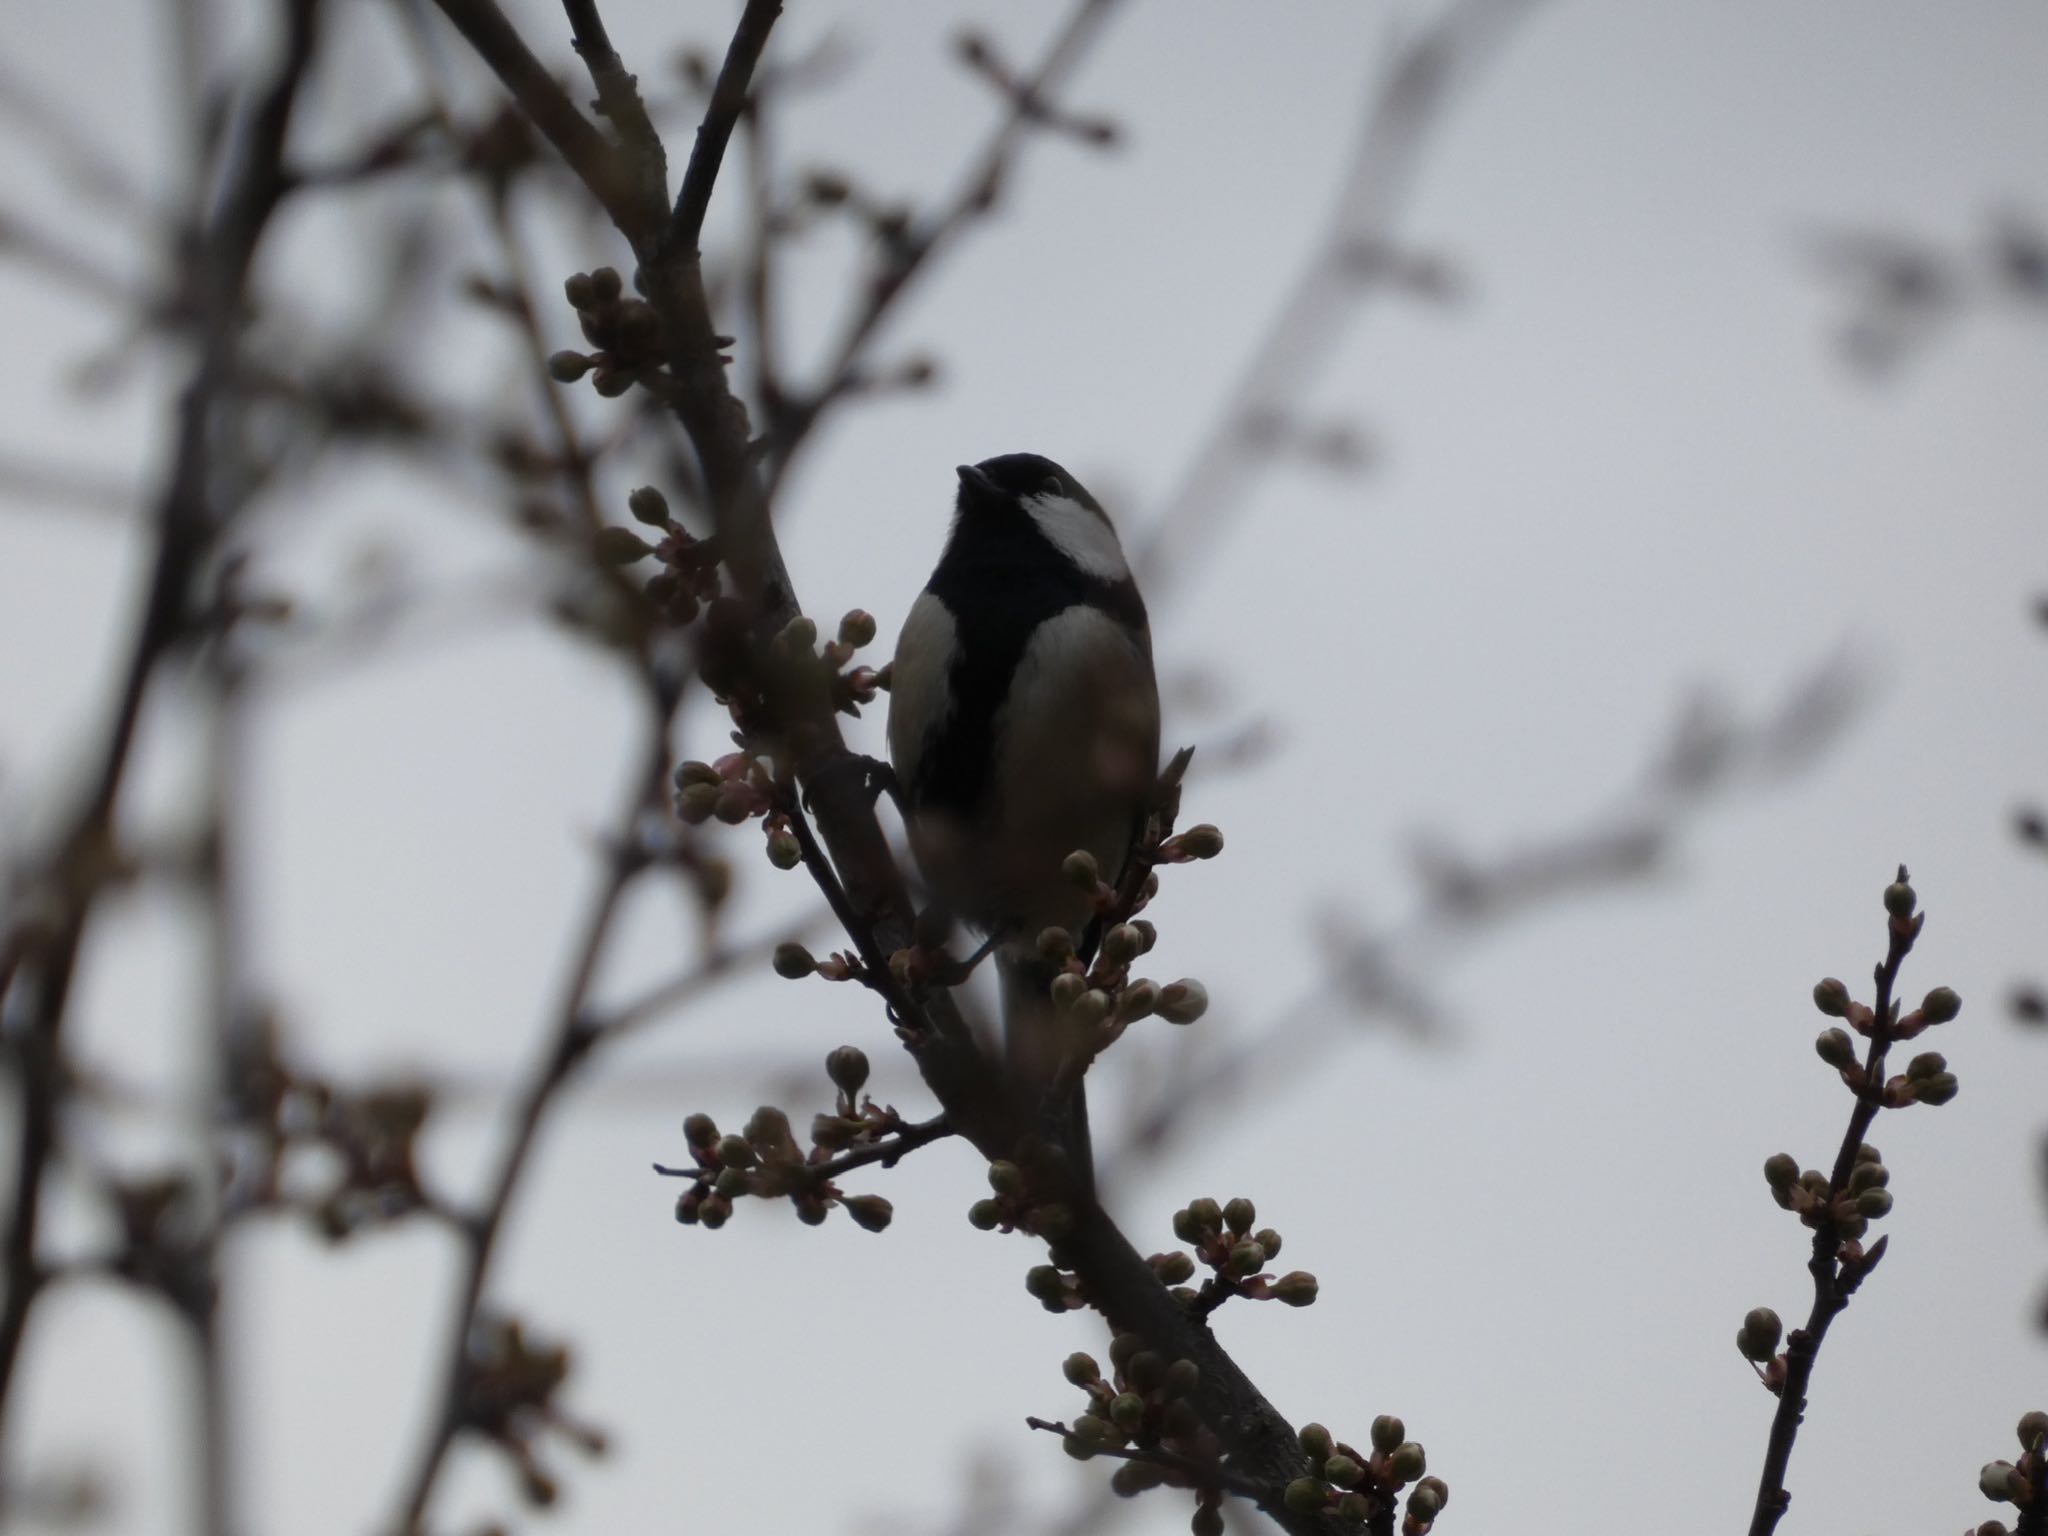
[974, 478]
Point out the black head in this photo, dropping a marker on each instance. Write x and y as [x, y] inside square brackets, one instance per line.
[1018, 477]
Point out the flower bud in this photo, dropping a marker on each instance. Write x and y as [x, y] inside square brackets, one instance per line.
[1120, 946]
[696, 802]
[1127, 1411]
[1123, 1349]
[1938, 1089]
[1758, 1337]
[1147, 934]
[567, 367]
[1873, 1203]
[857, 628]
[1866, 1153]
[1296, 1288]
[768, 1129]
[833, 1132]
[799, 637]
[1407, 1462]
[1079, 868]
[1269, 1240]
[1182, 1377]
[1997, 1481]
[1174, 1268]
[1067, 988]
[621, 546]
[1836, 1048]
[1831, 997]
[1090, 1008]
[1055, 946]
[1201, 842]
[985, 1214]
[1207, 1521]
[1355, 1507]
[1305, 1495]
[1781, 1170]
[731, 1183]
[605, 286]
[1239, 1215]
[2033, 1430]
[1183, 1001]
[1437, 1486]
[1136, 1001]
[1941, 1005]
[1343, 1471]
[1052, 1222]
[701, 1131]
[1045, 1282]
[1207, 1215]
[1925, 1065]
[870, 1212]
[848, 1068]
[1387, 1433]
[784, 851]
[1868, 1176]
[1424, 1505]
[1317, 1441]
[1246, 1259]
[649, 506]
[1080, 1369]
[793, 962]
[715, 1211]
[1094, 1429]
[735, 1152]
[1005, 1178]
[1135, 1477]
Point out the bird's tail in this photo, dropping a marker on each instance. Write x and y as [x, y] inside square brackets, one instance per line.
[1039, 1045]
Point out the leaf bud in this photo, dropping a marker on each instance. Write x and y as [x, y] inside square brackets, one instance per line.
[1080, 1369]
[1240, 1214]
[1758, 1337]
[1343, 1471]
[1941, 1005]
[1938, 1089]
[1836, 1048]
[1873, 1203]
[648, 506]
[1247, 1258]
[1005, 1178]
[847, 1066]
[1407, 1462]
[1296, 1288]
[1317, 1441]
[985, 1214]
[793, 962]
[621, 546]
[871, 1213]
[1182, 1377]
[1201, 842]
[1387, 1433]
[1831, 997]
[1079, 868]
[1305, 1495]
[1183, 1001]
[857, 628]
[1174, 1268]
[1997, 1481]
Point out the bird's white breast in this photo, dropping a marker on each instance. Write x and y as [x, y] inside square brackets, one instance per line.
[920, 689]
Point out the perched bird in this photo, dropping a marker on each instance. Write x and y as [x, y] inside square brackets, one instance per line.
[1024, 726]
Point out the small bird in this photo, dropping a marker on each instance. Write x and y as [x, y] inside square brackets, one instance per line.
[1024, 726]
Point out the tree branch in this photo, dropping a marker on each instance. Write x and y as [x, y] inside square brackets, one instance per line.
[728, 100]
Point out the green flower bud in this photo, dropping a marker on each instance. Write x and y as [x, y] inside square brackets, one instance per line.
[581, 292]
[1866, 1153]
[1240, 1214]
[784, 851]
[1387, 1433]
[1343, 1471]
[1090, 1008]
[857, 628]
[768, 1129]
[1136, 1001]
[1992, 1528]
[1874, 1203]
[1836, 1048]
[1174, 1268]
[1147, 934]
[1925, 1065]
[1207, 1521]
[1437, 1486]
[1080, 869]
[695, 803]
[605, 286]
[1080, 1369]
[2033, 1430]
[1146, 1369]
[1182, 1377]
[1831, 997]
[1127, 1411]
[1423, 1505]
[1247, 1259]
[1005, 1178]
[1938, 1089]
[1868, 1176]
[1758, 1337]
[567, 367]
[1305, 1495]
[1781, 1170]
[1181, 1420]
[799, 637]
[833, 1132]
[1207, 1214]
[1067, 989]
[1853, 1225]
[1269, 1240]
[1355, 1507]
[700, 1130]
[1900, 899]
[793, 962]
[1201, 842]
[1135, 1477]
[1297, 1288]
[1941, 1005]
[1183, 1001]
[1078, 1447]
[985, 1214]
[1120, 946]
[871, 1213]
[611, 382]
[1045, 1282]
[1815, 1183]
[1407, 1462]
[649, 506]
[621, 546]
[1185, 1227]
[1052, 1222]
[715, 1211]
[731, 1183]
[847, 1066]
[1094, 1429]
[2000, 1481]
[1055, 946]
[1317, 1441]
[1123, 1349]
[735, 1152]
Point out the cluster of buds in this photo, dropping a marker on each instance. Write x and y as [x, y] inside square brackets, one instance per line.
[508, 1398]
[764, 1160]
[625, 331]
[1810, 1194]
[793, 962]
[2024, 1482]
[1100, 1000]
[1227, 1239]
[1361, 1487]
[735, 789]
[1926, 1080]
[1757, 1340]
[688, 578]
[1145, 1408]
[795, 649]
[1013, 1207]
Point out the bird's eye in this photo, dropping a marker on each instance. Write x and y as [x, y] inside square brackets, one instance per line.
[1052, 487]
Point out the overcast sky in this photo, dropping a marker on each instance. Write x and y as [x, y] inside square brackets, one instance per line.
[1629, 463]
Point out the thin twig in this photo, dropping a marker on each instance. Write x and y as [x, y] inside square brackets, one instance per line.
[728, 100]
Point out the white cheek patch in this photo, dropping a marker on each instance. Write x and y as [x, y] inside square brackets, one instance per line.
[1081, 534]
[920, 694]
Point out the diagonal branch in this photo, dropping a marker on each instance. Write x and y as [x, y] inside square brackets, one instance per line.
[728, 101]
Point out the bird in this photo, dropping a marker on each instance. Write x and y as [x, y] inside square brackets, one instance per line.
[1023, 728]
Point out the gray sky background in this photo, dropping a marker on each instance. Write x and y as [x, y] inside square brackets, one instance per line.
[1629, 463]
